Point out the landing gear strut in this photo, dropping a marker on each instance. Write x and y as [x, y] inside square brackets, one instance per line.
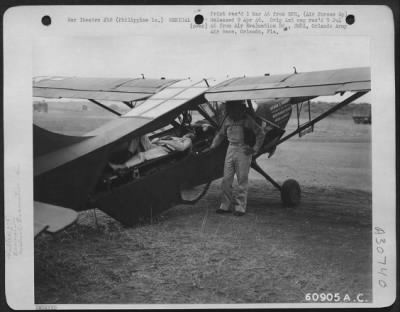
[290, 189]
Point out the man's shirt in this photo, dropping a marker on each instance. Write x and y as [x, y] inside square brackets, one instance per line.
[233, 131]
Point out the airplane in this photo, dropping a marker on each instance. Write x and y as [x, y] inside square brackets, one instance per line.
[72, 172]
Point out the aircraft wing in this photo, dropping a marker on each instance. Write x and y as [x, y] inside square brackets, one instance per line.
[52, 218]
[150, 112]
[75, 167]
[110, 89]
[309, 84]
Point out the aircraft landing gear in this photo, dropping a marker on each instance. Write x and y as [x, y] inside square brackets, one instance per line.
[290, 189]
[290, 193]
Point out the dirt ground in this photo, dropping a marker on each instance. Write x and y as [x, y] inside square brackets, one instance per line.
[273, 254]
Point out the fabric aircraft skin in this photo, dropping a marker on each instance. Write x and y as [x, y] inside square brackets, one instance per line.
[110, 89]
[67, 171]
[310, 84]
[52, 218]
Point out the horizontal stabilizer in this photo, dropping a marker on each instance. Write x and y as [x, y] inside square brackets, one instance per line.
[52, 218]
[45, 141]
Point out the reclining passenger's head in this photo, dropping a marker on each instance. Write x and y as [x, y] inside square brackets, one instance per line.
[202, 128]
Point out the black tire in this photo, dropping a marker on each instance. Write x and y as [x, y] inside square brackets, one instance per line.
[290, 193]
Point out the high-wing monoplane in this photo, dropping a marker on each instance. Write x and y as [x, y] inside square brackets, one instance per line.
[73, 172]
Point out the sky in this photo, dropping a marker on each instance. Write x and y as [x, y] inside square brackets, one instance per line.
[197, 56]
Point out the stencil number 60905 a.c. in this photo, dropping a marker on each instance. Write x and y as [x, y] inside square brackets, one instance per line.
[322, 297]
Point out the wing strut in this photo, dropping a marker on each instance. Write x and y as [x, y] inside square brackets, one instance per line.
[299, 107]
[322, 116]
[257, 168]
[105, 107]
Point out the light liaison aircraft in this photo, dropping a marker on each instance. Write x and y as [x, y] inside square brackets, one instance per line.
[73, 173]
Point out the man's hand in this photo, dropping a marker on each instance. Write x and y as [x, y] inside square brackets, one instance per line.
[249, 151]
[207, 149]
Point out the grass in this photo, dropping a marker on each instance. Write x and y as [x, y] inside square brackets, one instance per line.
[189, 254]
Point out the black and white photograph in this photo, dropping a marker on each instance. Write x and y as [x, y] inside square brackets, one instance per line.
[201, 156]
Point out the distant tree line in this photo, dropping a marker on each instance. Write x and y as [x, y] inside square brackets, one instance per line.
[318, 107]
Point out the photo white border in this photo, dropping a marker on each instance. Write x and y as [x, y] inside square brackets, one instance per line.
[22, 26]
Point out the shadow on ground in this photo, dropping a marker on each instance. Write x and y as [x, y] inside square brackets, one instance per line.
[189, 254]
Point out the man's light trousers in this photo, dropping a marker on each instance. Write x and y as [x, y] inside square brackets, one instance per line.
[236, 162]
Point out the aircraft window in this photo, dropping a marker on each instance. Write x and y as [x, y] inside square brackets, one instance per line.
[207, 109]
[213, 109]
[196, 116]
[220, 111]
[185, 118]
[137, 103]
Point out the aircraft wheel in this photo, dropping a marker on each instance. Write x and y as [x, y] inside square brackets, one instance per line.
[290, 193]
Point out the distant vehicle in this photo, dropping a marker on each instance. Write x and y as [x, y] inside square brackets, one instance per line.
[362, 115]
[40, 106]
[73, 173]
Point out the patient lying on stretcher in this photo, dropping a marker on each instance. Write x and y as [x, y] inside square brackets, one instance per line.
[153, 149]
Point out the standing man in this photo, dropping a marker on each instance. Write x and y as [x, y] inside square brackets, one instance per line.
[240, 129]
